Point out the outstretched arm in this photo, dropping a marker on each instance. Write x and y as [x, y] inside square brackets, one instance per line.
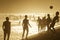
[30, 25]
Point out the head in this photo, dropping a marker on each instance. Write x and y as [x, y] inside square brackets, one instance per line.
[26, 16]
[48, 15]
[57, 13]
[7, 18]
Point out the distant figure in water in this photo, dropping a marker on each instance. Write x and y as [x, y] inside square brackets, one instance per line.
[48, 21]
[55, 19]
[6, 28]
[25, 26]
[39, 23]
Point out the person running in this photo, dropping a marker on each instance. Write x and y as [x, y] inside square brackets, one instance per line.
[25, 26]
[6, 28]
[48, 21]
[55, 19]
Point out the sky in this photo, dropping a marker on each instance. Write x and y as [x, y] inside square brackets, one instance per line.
[28, 6]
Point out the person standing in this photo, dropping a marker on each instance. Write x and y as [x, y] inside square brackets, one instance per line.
[6, 28]
[48, 21]
[25, 26]
[39, 23]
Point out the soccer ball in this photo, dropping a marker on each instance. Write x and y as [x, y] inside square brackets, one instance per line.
[51, 7]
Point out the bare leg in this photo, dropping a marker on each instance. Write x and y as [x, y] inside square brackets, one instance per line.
[8, 36]
[4, 35]
[23, 33]
[27, 33]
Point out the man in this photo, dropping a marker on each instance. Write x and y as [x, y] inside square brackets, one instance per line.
[55, 19]
[48, 21]
[25, 26]
[6, 28]
[39, 23]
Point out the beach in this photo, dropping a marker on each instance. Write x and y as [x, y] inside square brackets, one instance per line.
[17, 30]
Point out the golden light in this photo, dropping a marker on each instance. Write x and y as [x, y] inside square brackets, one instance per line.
[18, 28]
[32, 30]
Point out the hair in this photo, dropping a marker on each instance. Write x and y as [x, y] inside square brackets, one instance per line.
[7, 18]
[25, 15]
[57, 13]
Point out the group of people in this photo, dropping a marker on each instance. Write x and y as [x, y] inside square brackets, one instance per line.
[7, 25]
[48, 22]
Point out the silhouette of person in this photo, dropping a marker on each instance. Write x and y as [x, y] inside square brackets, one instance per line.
[25, 26]
[43, 22]
[55, 19]
[39, 23]
[6, 28]
[48, 21]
